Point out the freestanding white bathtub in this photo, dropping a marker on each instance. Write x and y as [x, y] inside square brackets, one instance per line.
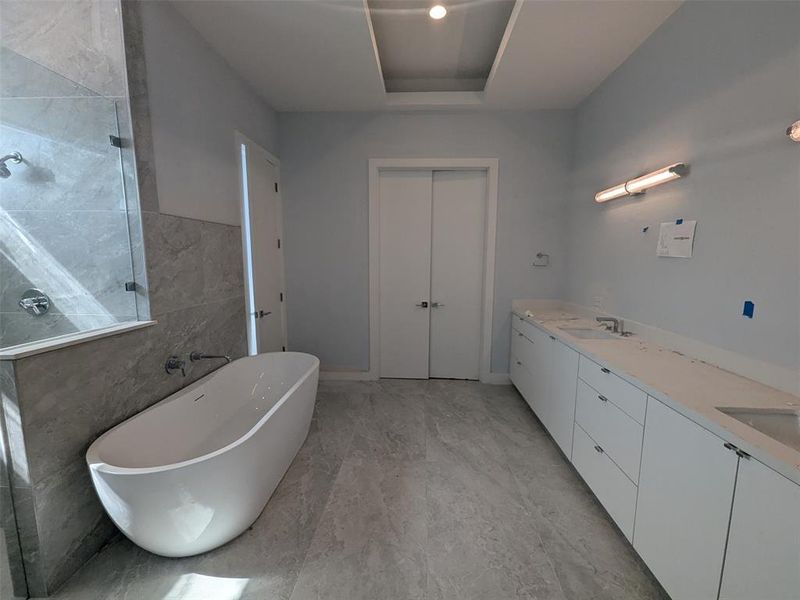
[195, 470]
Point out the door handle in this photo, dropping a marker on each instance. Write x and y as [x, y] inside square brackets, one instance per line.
[260, 314]
[422, 304]
[437, 304]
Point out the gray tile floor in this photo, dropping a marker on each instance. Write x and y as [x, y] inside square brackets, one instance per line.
[404, 490]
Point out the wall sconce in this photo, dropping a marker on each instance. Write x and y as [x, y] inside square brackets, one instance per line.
[637, 186]
[793, 131]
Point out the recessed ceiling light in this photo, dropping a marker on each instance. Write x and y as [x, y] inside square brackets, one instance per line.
[437, 12]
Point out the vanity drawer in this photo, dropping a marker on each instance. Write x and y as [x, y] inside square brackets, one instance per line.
[627, 397]
[523, 327]
[522, 350]
[613, 430]
[613, 489]
[520, 373]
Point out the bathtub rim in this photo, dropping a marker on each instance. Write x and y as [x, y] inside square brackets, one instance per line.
[95, 463]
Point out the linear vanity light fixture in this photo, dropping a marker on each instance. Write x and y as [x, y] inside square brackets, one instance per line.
[643, 183]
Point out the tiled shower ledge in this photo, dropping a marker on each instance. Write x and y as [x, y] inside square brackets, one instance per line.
[71, 339]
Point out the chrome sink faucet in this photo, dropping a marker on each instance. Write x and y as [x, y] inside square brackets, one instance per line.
[616, 324]
[195, 356]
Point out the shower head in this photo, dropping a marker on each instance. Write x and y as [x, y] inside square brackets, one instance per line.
[14, 157]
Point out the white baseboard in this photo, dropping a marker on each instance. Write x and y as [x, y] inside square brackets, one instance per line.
[345, 376]
[493, 379]
[497, 379]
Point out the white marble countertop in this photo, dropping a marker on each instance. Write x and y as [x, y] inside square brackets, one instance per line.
[690, 386]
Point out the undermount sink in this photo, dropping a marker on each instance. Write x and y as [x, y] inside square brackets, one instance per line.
[586, 333]
[782, 425]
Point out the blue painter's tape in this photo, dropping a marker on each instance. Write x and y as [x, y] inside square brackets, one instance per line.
[679, 222]
[749, 309]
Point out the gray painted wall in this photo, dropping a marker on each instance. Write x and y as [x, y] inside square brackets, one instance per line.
[196, 103]
[716, 86]
[325, 195]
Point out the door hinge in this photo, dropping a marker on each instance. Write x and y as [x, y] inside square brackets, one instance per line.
[284, 348]
[279, 242]
[281, 296]
[276, 187]
[116, 141]
[130, 286]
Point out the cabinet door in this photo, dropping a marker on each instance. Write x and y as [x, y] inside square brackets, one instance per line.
[540, 371]
[521, 365]
[560, 401]
[685, 495]
[763, 557]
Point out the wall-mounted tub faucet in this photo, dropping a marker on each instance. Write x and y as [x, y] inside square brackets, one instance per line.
[14, 157]
[195, 356]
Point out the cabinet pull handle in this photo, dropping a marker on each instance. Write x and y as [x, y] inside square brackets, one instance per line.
[604, 370]
[602, 398]
[599, 449]
[519, 334]
[739, 452]
[552, 337]
[519, 363]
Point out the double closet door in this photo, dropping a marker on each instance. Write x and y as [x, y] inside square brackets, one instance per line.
[432, 239]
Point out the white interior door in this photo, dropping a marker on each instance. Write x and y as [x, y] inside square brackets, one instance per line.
[405, 267]
[457, 257]
[262, 249]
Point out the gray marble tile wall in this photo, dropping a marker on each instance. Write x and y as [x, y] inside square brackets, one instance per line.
[12, 571]
[64, 224]
[83, 40]
[193, 287]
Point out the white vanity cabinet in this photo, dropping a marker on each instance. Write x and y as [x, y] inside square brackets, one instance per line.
[685, 493]
[542, 363]
[545, 371]
[709, 520]
[521, 364]
[558, 408]
[531, 359]
[763, 556]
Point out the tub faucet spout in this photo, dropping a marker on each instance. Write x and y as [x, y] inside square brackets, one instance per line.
[195, 356]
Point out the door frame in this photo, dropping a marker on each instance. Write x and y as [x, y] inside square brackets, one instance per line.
[490, 166]
[242, 140]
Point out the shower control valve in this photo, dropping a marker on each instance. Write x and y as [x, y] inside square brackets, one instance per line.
[34, 302]
[173, 364]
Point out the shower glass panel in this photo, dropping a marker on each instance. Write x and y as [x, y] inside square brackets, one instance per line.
[65, 245]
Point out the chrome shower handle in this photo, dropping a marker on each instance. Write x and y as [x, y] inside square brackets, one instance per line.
[14, 157]
[35, 302]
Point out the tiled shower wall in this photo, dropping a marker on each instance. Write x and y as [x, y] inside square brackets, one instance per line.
[64, 216]
[58, 402]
